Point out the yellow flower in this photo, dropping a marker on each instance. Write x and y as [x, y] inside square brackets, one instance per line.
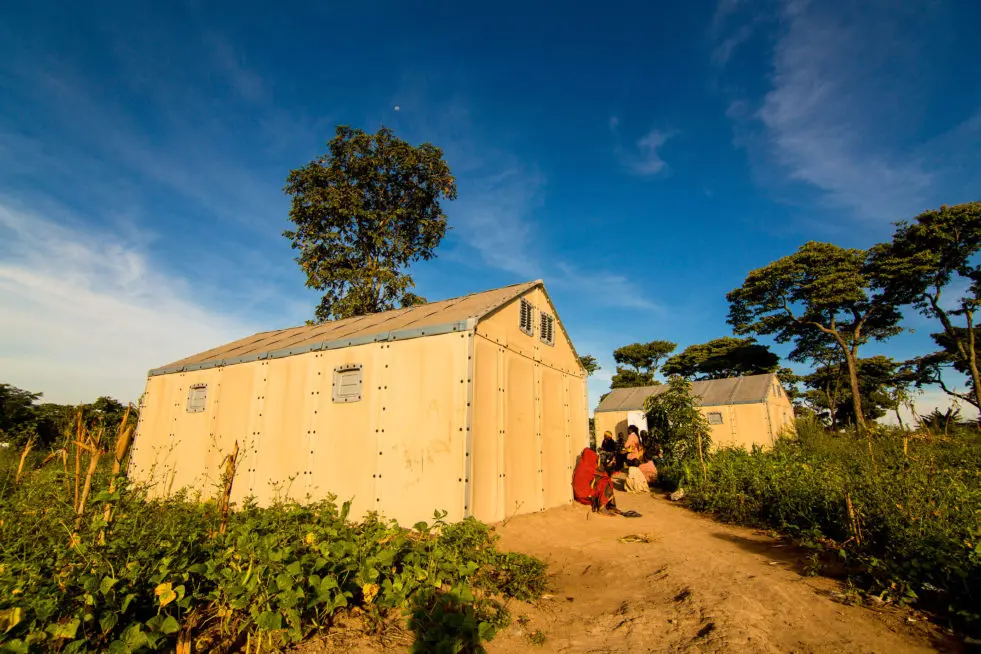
[370, 591]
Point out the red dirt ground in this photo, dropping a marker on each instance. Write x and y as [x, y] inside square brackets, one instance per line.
[698, 586]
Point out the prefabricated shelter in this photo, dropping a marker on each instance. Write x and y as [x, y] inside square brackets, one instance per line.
[742, 411]
[475, 405]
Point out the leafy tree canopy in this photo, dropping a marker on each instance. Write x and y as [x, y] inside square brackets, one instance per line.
[588, 362]
[927, 261]
[627, 378]
[883, 384]
[23, 417]
[363, 212]
[643, 357]
[821, 293]
[721, 358]
[637, 363]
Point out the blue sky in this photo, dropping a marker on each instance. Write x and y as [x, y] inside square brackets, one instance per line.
[640, 159]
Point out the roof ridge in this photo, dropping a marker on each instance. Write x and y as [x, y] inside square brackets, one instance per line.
[449, 314]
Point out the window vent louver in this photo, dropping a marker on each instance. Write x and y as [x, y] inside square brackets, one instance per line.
[547, 331]
[526, 319]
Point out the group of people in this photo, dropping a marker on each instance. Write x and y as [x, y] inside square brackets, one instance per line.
[592, 481]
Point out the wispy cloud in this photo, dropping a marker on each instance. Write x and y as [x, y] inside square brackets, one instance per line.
[88, 313]
[723, 52]
[604, 288]
[229, 61]
[200, 141]
[844, 108]
[826, 73]
[644, 156]
[495, 219]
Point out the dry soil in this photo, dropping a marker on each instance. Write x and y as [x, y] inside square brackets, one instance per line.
[696, 586]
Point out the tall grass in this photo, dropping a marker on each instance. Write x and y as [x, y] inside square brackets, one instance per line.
[906, 517]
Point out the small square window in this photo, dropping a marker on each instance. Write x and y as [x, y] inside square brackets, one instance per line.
[526, 317]
[347, 383]
[547, 330]
[197, 398]
[714, 418]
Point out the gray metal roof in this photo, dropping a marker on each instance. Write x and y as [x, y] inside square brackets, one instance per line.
[426, 319]
[714, 392]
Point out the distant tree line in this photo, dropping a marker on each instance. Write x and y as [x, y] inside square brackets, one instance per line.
[23, 415]
[829, 302]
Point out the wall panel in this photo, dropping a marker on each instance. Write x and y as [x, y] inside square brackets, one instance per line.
[521, 455]
[488, 503]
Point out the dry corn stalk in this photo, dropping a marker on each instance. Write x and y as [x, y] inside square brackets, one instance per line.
[93, 464]
[853, 520]
[79, 436]
[170, 481]
[701, 458]
[23, 457]
[123, 439]
[228, 476]
[57, 454]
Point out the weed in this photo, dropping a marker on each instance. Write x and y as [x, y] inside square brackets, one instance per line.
[538, 637]
[905, 518]
[164, 575]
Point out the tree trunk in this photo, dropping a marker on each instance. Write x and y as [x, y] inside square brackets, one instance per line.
[972, 357]
[856, 395]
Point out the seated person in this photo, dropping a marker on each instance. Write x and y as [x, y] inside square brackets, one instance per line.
[608, 452]
[609, 445]
[633, 447]
[592, 485]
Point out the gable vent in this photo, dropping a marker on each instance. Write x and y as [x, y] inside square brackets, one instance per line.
[547, 331]
[526, 319]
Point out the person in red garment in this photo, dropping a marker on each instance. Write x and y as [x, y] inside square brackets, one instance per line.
[591, 485]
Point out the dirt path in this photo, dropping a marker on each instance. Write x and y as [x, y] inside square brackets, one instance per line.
[699, 586]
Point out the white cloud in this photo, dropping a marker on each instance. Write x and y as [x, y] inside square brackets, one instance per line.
[727, 47]
[820, 115]
[86, 313]
[644, 157]
[845, 109]
[495, 219]
[603, 288]
[649, 161]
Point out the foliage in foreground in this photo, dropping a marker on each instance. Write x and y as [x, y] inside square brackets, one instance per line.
[906, 519]
[165, 578]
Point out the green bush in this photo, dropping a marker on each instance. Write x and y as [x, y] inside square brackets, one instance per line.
[276, 576]
[914, 524]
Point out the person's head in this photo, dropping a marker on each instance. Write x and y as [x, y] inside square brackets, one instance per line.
[619, 435]
[643, 433]
[632, 429]
[608, 435]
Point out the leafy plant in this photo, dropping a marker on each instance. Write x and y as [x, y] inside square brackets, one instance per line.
[163, 575]
[676, 417]
[904, 521]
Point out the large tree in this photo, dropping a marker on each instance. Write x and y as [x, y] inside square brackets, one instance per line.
[881, 380]
[931, 368]
[637, 363]
[721, 358]
[932, 263]
[821, 292]
[589, 364]
[363, 212]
